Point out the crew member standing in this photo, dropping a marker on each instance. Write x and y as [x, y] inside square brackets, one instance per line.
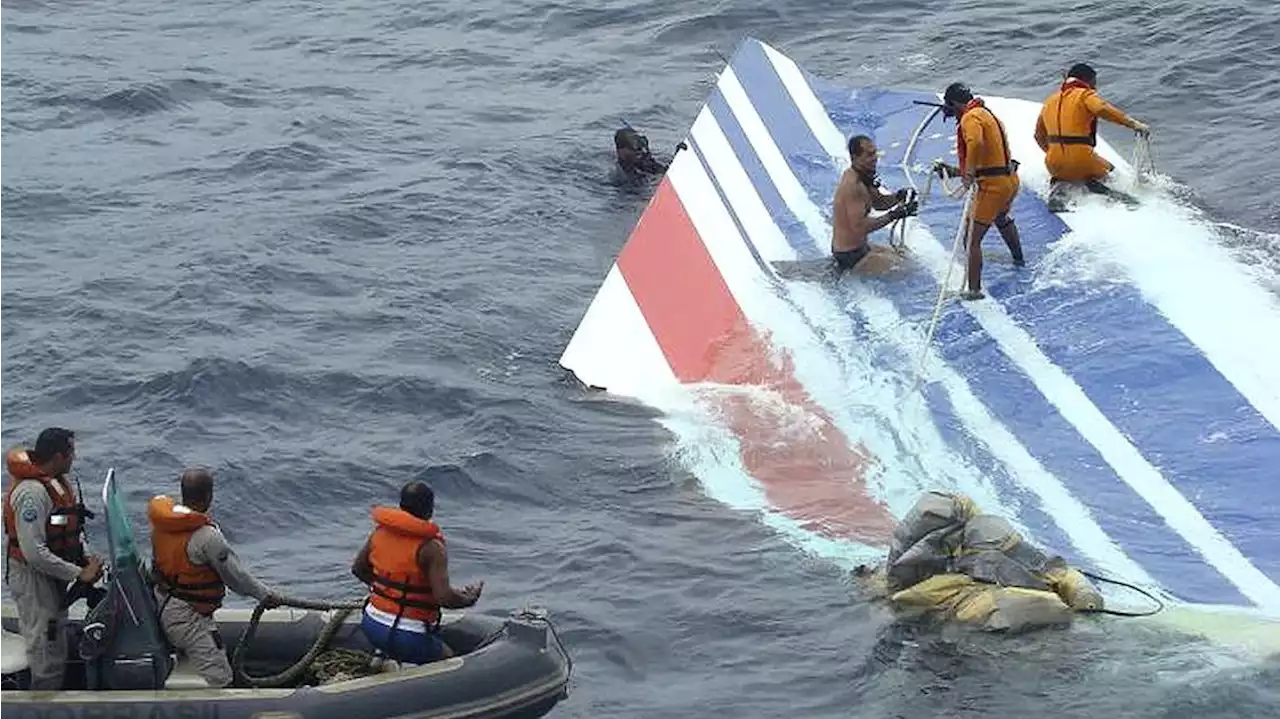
[43, 518]
[983, 151]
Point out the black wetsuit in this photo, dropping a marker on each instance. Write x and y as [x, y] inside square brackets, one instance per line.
[646, 164]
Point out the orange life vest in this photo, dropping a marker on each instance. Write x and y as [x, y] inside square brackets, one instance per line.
[399, 585]
[172, 525]
[62, 530]
[1066, 115]
[994, 162]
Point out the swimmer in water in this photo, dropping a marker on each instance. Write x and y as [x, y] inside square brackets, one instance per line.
[634, 156]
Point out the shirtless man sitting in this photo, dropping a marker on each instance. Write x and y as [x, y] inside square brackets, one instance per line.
[858, 193]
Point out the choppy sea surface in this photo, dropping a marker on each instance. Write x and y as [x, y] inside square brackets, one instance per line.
[327, 248]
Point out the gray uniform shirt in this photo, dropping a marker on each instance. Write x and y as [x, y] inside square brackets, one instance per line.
[209, 547]
[32, 506]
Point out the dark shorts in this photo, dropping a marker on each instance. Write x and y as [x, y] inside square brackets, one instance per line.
[403, 645]
[848, 259]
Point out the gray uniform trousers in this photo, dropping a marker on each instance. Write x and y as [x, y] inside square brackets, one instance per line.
[43, 622]
[192, 634]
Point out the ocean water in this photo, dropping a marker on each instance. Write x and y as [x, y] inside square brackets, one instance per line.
[325, 250]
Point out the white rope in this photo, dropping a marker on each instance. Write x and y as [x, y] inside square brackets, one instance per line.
[1143, 164]
[964, 230]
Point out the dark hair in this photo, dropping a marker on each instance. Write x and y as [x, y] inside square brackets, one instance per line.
[197, 486]
[1084, 72]
[856, 142]
[629, 138]
[418, 499]
[957, 93]
[52, 441]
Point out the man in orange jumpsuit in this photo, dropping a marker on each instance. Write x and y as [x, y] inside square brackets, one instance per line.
[1067, 131]
[983, 151]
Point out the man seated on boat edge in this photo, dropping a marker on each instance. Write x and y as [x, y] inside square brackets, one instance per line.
[406, 566]
[857, 194]
[192, 568]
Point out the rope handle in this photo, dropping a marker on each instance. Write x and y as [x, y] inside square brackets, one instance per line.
[1144, 166]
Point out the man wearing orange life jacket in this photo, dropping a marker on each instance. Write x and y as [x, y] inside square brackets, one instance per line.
[192, 567]
[1067, 131]
[407, 570]
[42, 525]
[983, 152]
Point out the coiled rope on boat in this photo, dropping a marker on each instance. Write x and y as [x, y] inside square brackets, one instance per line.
[290, 676]
[339, 664]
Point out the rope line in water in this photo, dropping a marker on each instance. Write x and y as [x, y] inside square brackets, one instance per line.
[1120, 612]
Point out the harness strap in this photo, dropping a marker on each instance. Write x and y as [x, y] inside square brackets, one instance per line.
[1010, 165]
[172, 582]
[404, 601]
[186, 590]
[1070, 139]
[402, 586]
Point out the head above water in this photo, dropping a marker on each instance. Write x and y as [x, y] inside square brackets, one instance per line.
[55, 451]
[630, 145]
[1083, 72]
[954, 98]
[863, 155]
[418, 499]
[197, 489]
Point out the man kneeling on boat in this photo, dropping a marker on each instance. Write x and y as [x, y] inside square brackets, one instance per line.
[192, 567]
[858, 193]
[407, 569]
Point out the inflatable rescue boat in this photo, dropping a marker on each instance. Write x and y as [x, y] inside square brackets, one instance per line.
[289, 663]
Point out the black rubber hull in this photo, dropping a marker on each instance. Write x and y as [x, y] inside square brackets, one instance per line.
[507, 668]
